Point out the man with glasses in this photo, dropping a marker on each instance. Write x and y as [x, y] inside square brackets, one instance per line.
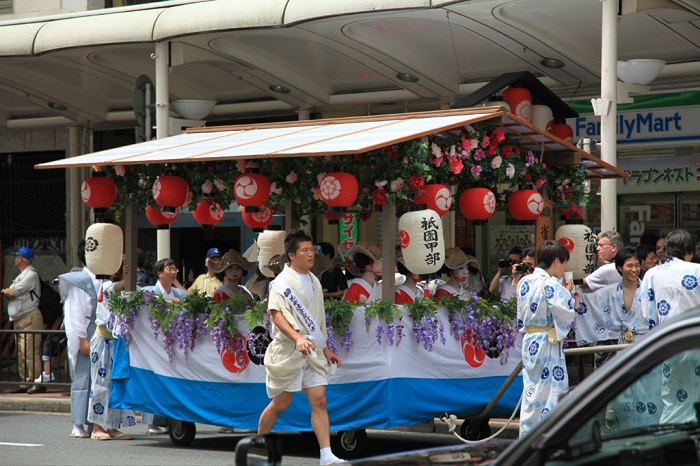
[591, 328]
[165, 287]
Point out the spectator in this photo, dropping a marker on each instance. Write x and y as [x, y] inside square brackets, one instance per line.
[142, 277]
[52, 349]
[79, 293]
[507, 277]
[366, 265]
[332, 280]
[646, 254]
[660, 249]
[207, 282]
[23, 309]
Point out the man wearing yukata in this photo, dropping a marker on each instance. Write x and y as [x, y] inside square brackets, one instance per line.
[668, 291]
[545, 315]
[298, 358]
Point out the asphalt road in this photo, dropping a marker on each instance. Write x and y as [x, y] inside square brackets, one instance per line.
[42, 439]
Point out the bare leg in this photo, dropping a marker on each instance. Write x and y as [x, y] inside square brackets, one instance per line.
[319, 415]
[270, 414]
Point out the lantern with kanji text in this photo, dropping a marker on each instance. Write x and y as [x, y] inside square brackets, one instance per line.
[422, 241]
[579, 240]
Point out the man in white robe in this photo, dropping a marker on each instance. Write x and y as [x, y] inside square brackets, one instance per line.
[298, 358]
[545, 315]
[670, 290]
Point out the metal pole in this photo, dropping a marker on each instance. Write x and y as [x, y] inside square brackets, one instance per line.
[608, 120]
[162, 57]
[75, 234]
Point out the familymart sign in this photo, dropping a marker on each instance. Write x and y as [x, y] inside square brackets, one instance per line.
[645, 128]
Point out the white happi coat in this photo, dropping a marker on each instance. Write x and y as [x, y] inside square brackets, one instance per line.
[542, 302]
[670, 290]
[283, 361]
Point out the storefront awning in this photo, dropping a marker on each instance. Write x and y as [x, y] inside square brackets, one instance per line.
[332, 137]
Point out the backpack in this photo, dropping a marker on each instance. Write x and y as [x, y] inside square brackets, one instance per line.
[49, 303]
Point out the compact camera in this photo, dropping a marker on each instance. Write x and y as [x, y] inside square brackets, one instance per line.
[503, 263]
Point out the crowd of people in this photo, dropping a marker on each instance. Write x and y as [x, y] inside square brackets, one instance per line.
[631, 290]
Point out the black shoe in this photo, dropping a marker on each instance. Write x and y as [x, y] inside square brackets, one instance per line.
[36, 389]
[20, 390]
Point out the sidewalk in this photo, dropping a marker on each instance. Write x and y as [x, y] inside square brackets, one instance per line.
[55, 400]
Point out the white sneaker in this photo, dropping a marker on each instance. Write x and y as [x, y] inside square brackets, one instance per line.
[155, 430]
[44, 377]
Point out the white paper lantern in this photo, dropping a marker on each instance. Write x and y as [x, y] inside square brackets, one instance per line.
[541, 116]
[104, 247]
[422, 241]
[579, 241]
[270, 243]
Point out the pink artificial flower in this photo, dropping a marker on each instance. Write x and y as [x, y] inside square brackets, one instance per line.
[380, 183]
[496, 162]
[274, 188]
[479, 155]
[317, 192]
[219, 183]
[396, 184]
[120, 170]
[485, 142]
[539, 183]
[240, 166]
[319, 177]
[207, 187]
[291, 178]
[456, 166]
[499, 135]
[466, 144]
[530, 158]
[476, 170]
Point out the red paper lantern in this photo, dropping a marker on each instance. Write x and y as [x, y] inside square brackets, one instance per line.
[520, 101]
[98, 191]
[526, 204]
[170, 192]
[258, 221]
[437, 197]
[562, 131]
[208, 214]
[339, 189]
[159, 218]
[252, 190]
[477, 204]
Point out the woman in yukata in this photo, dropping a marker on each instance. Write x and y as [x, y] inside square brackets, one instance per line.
[408, 291]
[233, 266]
[457, 269]
[366, 265]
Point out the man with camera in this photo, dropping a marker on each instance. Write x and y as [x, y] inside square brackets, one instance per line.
[510, 270]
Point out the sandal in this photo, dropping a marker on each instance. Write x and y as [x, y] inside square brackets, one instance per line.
[100, 436]
[122, 436]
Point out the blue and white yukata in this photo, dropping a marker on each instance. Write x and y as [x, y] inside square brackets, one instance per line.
[670, 290]
[101, 355]
[158, 290]
[545, 315]
[79, 293]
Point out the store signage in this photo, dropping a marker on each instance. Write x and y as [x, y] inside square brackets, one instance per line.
[660, 174]
[347, 233]
[641, 128]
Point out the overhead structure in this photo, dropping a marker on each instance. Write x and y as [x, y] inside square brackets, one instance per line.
[331, 137]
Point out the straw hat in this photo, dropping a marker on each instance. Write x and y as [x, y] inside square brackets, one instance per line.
[456, 258]
[277, 261]
[230, 258]
[367, 248]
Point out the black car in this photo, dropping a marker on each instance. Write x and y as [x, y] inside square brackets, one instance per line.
[641, 408]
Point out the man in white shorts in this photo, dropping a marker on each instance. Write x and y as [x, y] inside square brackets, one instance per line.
[298, 358]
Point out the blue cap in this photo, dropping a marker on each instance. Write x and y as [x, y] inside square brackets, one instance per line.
[213, 252]
[25, 253]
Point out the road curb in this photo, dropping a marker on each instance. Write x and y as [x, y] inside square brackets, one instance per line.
[38, 405]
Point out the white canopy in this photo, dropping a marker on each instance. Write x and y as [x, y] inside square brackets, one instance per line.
[331, 137]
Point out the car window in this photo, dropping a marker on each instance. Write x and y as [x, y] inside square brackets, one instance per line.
[655, 415]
